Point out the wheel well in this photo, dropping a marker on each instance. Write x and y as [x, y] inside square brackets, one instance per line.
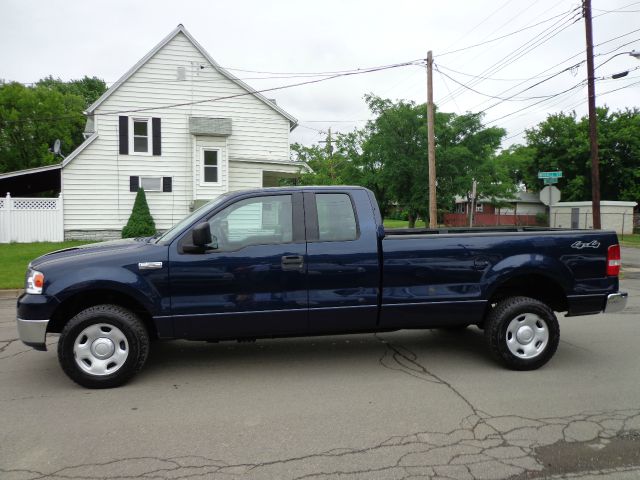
[540, 287]
[81, 301]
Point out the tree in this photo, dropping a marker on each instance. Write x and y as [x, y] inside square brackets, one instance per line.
[561, 142]
[31, 119]
[89, 88]
[140, 222]
[465, 151]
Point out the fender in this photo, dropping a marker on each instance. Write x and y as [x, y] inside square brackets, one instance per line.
[117, 279]
[523, 265]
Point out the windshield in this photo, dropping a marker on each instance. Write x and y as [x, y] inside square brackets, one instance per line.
[170, 234]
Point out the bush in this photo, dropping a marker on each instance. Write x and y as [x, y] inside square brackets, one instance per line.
[140, 222]
[542, 219]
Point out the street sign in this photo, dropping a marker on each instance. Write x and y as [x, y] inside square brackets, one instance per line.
[557, 174]
[550, 181]
[550, 195]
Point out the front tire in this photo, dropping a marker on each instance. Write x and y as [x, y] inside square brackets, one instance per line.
[103, 346]
[522, 333]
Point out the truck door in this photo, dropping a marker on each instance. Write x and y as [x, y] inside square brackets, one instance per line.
[342, 261]
[253, 280]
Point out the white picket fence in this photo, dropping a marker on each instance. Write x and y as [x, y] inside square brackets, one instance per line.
[31, 219]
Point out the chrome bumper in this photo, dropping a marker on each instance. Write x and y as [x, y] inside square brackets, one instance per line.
[616, 302]
[33, 333]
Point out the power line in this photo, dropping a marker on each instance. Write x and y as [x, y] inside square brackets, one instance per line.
[523, 49]
[251, 92]
[468, 47]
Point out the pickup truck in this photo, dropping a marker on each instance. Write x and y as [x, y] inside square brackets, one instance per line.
[304, 261]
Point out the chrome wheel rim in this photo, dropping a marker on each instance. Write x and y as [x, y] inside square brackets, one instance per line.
[527, 335]
[101, 349]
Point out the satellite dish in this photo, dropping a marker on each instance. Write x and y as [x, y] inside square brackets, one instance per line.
[56, 148]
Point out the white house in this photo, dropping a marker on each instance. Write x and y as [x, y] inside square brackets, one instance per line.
[180, 126]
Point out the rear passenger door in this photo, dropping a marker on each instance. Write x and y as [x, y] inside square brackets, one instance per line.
[342, 262]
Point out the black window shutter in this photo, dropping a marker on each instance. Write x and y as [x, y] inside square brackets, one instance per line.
[124, 135]
[166, 184]
[157, 136]
[134, 184]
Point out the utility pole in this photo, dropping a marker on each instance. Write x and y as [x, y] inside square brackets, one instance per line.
[432, 143]
[593, 127]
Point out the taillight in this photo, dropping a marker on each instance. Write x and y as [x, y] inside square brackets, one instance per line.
[613, 261]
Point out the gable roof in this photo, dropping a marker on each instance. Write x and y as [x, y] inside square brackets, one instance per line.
[180, 29]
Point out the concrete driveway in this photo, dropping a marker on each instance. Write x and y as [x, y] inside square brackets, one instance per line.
[392, 406]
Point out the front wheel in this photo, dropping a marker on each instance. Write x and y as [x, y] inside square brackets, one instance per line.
[103, 346]
[522, 333]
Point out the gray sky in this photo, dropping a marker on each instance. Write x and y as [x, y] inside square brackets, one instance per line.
[70, 39]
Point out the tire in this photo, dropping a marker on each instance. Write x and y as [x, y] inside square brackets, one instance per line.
[103, 346]
[522, 333]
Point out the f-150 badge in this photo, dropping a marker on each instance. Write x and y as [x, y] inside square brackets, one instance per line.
[580, 245]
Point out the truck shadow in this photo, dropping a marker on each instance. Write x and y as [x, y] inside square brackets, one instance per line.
[464, 348]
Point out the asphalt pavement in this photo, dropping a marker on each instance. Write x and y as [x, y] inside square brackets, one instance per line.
[409, 404]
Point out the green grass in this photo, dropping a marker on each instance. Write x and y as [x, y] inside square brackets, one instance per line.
[14, 258]
[630, 240]
[401, 223]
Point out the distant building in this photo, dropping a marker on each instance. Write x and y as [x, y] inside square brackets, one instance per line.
[519, 211]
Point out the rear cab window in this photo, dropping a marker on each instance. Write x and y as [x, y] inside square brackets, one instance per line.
[336, 218]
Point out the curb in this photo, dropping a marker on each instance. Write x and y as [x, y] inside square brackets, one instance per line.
[13, 293]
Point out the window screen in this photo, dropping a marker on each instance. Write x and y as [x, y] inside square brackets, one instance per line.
[336, 219]
[151, 184]
[140, 135]
[210, 166]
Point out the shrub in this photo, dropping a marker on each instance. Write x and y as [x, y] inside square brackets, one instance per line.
[140, 222]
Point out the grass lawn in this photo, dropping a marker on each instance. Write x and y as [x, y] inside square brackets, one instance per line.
[630, 240]
[14, 258]
[401, 223]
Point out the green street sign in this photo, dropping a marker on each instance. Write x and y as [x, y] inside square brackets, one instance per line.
[550, 181]
[557, 174]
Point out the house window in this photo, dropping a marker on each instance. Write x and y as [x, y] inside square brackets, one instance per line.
[141, 135]
[479, 208]
[151, 184]
[210, 166]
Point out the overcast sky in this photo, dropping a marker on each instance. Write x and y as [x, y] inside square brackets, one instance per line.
[70, 39]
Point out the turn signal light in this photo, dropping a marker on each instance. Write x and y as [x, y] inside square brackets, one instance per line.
[613, 261]
[35, 282]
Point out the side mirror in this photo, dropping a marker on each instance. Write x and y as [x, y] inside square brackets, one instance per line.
[202, 234]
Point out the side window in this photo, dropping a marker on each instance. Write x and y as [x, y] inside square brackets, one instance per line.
[254, 221]
[336, 218]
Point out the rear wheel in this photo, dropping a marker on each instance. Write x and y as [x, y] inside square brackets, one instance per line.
[522, 333]
[103, 346]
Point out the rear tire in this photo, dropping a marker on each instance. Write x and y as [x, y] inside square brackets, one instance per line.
[103, 346]
[522, 333]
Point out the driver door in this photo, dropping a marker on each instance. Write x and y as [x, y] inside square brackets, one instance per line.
[252, 282]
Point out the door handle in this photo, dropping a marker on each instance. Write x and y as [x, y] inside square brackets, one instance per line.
[292, 262]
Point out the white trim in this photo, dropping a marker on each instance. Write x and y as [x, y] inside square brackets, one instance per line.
[29, 171]
[288, 163]
[149, 151]
[603, 203]
[218, 150]
[80, 148]
[180, 29]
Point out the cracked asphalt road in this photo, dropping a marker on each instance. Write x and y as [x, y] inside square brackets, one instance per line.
[408, 404]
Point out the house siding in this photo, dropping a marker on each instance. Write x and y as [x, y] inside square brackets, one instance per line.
[96, 182]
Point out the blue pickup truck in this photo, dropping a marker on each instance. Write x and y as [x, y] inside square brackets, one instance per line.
[280, 262]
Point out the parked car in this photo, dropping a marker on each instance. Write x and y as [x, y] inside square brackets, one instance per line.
[311, 261]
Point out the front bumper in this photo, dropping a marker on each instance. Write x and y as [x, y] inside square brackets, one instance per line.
[616, 302]
[33, 333]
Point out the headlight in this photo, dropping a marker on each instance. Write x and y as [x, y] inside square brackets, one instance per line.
[35, 282]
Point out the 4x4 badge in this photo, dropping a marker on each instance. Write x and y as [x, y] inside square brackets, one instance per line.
[580, 245]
